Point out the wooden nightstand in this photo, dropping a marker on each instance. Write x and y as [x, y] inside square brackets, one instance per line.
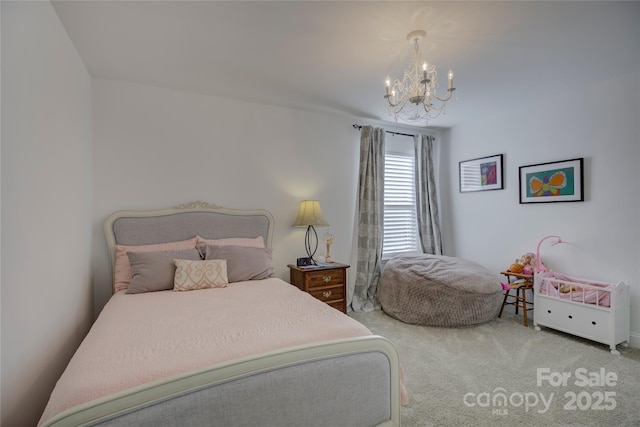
[328, 284]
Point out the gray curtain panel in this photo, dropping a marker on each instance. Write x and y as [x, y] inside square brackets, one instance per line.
[370, 214]
[428, 214]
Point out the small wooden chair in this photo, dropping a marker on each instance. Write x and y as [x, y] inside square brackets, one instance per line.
[520, 285]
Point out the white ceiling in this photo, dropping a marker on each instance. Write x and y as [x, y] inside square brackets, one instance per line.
[334, 55]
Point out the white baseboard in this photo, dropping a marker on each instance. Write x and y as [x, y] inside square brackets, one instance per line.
[634, 341]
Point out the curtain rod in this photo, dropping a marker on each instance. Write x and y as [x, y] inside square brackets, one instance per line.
[358, 127]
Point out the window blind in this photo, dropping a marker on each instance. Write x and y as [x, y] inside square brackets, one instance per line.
[400, 223]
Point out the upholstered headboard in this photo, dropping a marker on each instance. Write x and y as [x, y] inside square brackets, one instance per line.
[184, 222]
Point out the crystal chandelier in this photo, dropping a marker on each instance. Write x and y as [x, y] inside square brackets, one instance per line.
[416, 97]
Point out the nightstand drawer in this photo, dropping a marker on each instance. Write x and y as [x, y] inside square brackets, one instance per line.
[328, 294]
[325, 278]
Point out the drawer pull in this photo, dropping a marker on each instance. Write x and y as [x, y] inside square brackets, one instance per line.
[593, 323]
[570, 317]
[549, 311]
[326, 279]
[326, 294]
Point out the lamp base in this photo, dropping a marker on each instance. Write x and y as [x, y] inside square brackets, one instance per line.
[302, 262]
[310, 241]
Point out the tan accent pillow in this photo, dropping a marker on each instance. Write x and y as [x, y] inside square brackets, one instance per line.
[122, 269]
[193, 275]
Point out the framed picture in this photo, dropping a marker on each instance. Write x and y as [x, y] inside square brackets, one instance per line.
[481, 174]
[552, 182]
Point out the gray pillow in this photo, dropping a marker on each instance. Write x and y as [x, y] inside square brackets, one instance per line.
[155, 271]
[243, 263]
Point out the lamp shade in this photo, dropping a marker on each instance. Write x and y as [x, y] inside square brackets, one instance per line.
[310, 214]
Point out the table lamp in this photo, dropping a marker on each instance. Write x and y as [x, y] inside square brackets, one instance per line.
[310, 215]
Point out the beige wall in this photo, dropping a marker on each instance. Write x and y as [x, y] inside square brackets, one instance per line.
[46, 206]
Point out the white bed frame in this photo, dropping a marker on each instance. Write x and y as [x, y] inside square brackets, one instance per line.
[319, 362]
[117, 409]
[607, 325]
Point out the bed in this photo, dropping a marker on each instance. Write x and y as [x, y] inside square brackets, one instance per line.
[599, 311]
[252, 351]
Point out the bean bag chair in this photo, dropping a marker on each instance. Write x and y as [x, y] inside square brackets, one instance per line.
[438, 290]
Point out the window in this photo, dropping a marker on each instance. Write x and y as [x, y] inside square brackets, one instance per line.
[400, 222]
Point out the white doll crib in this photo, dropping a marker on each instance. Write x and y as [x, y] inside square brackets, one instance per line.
[598, 311]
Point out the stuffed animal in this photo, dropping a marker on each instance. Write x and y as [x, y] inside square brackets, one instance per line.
[515, 267]
[528, 263]
[565, 288]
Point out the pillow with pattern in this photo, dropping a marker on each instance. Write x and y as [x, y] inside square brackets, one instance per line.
[193, 275]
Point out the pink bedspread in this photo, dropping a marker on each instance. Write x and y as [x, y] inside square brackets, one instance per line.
[145, 337]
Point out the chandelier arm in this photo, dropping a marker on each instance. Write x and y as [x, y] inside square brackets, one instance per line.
[445, 99]
[401, 103]
[391, 104]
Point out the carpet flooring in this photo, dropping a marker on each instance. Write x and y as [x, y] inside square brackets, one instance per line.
[501, 373]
